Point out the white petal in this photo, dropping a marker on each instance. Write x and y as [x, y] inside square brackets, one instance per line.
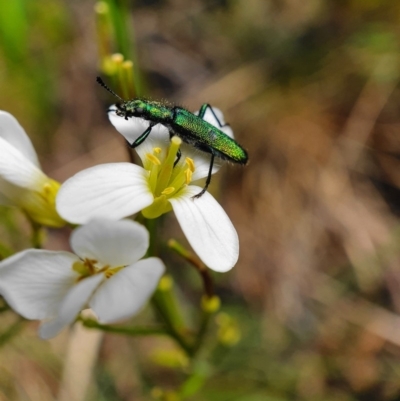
[16, 168]
[112, 243]
[131, 128]
[218, 122]
[126, 292]
[207, 228]
[158, 138]
[34, 282]
[13, 133]
[76, 300]
[113, 191]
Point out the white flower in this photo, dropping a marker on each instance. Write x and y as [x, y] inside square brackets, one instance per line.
[105, 275]
[22, 182]
[117, 190]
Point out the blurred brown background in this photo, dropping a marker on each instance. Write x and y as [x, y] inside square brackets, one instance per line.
[311, 91]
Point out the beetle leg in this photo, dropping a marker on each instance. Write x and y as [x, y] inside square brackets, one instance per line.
[203, 110]
[178, 157]
[208, 180]
[141, 138]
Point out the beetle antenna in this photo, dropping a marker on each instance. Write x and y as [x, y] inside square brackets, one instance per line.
[101, 82]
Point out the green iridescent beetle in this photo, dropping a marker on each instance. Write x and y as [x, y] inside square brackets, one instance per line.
[191, 128]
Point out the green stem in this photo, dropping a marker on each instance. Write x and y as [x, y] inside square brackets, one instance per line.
[131, 331]
[151, 225]
[193, 383]
[166, 296]
[123, 35]
[204, 323]
[209, 306]
[165, 315]
[119, 15]
[37, 234]
[199, 266]
[163, 299]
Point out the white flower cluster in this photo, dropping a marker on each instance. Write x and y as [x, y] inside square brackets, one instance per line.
[105, 272]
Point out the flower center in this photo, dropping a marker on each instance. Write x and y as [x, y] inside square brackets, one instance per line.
[166, 180]
[88, 267]
[40, 205]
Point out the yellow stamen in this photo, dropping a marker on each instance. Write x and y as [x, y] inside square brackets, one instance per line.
[168, 191]
[108, 273]
[190, 164]
[103, 269]
[188, 174]
[89, 267]
[85, 268]
[153, 159]
[166, 179]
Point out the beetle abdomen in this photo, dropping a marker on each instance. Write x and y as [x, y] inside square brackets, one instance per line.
[206, 137]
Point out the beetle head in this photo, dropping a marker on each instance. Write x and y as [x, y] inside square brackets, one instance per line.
[131, 108]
